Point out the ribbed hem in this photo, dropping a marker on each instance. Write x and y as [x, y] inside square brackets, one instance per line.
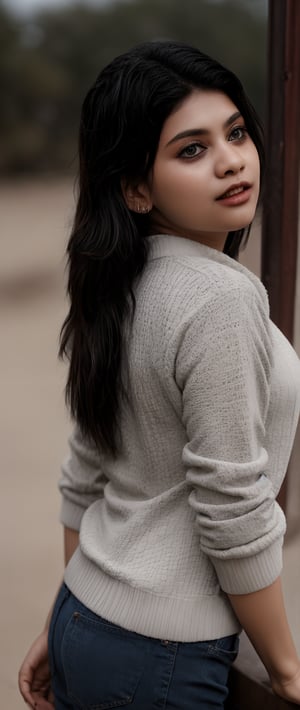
[249, 574]
[71, 514]
[172, 618]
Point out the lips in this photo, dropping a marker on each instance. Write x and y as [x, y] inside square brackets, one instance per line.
[235, 190]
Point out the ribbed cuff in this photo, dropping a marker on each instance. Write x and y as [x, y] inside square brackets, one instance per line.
[249, 574]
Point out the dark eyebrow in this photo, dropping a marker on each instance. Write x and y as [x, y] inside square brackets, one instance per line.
[202, 131]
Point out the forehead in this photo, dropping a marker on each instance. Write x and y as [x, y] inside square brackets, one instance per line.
[204, 110]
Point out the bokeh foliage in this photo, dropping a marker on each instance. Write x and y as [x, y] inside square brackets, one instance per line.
[48, 62]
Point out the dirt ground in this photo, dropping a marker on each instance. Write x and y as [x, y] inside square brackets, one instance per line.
[34, 426]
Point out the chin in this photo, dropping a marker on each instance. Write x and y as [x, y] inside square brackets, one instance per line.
[242, 223]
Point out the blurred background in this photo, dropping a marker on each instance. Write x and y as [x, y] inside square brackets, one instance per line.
[50, 53]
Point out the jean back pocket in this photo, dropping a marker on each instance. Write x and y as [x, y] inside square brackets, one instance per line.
[103, 663]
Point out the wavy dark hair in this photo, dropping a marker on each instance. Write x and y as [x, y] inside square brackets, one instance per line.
[121, 121]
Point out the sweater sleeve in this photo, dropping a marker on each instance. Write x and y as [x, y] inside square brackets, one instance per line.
[223, 369]
[82, 481]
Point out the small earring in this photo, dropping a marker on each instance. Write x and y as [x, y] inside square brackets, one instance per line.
[144, 209]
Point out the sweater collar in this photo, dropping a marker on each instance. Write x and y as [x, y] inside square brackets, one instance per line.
[162, 245]
[169, 245]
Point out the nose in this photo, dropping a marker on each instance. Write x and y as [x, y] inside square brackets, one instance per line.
[229, 159]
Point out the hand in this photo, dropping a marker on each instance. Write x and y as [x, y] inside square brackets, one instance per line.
[288, 689]
[34, 675]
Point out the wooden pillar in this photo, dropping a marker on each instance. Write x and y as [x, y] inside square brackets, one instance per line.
[280, 216]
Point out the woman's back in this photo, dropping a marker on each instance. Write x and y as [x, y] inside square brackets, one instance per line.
[186, 347]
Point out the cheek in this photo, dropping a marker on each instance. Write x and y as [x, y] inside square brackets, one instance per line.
[166, 189]
[178, 184]
[165, 178]
[254, 157]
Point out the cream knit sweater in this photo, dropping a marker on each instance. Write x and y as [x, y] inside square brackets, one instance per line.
[188, 512]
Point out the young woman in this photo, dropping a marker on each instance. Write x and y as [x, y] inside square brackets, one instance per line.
[185, 397]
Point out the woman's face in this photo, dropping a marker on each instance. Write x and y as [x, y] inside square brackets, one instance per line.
[205, 178]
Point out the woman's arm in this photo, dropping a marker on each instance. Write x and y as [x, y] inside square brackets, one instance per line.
[263, 617]
[223, 368]
[71, 541]
[34, 674]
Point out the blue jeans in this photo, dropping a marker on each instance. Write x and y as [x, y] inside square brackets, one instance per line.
[96, 665]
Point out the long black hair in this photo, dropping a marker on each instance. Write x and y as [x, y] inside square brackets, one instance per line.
[121, 121]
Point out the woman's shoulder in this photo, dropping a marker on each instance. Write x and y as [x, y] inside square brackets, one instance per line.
[197, 275]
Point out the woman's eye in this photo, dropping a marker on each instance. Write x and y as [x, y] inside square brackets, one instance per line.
[238, 133]
[191, 151]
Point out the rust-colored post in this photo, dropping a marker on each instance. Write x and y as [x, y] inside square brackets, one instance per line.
[280, 217]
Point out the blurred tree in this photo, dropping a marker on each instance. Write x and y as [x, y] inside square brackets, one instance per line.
[48, 63]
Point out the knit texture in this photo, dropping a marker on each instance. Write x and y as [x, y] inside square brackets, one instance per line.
[187, 512]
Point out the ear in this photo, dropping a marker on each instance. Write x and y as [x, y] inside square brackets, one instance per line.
[137, 197]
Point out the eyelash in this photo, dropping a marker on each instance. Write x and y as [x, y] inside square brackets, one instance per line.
[242, 129]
